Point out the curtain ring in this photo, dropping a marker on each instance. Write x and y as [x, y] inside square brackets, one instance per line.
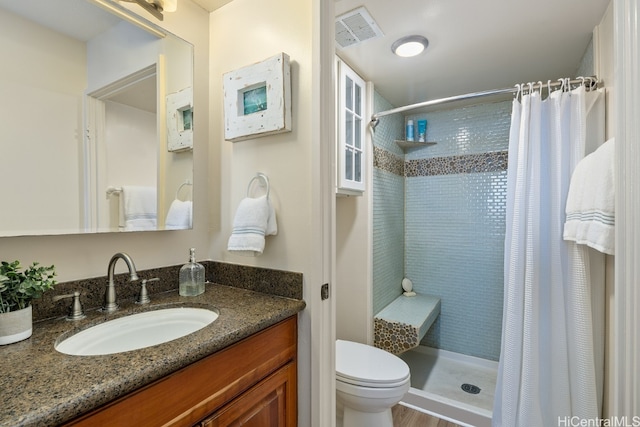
[582, 79]
[548, 87]
[530, 84]
[518, 89]
[540, 86]
[561, 84]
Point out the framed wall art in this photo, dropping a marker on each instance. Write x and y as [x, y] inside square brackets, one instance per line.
[257, 99]
[180, 120]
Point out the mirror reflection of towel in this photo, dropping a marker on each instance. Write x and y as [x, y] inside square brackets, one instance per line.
[179, 215]
[139, 206]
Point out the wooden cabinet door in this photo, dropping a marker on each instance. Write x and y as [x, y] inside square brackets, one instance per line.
[270, 403]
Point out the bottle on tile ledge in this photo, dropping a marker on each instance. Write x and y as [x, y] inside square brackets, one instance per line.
[191, 277]
[409, 133]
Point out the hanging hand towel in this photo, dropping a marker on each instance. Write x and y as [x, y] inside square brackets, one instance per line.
[139, 208]
[255, 219]
[591, 201]
[179, 215]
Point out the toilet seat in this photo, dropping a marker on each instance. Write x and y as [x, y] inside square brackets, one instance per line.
[367, 366]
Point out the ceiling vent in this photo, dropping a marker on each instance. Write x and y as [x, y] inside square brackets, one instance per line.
[355, 27]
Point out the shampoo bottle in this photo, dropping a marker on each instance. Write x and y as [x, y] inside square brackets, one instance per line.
[422, 130]
[409, 132]
[191, 277]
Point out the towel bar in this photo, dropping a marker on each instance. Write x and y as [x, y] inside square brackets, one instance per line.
[259, 176]
[113, 190]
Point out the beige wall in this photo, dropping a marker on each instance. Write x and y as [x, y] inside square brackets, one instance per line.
[81, 256]
[353, 286]
[354, 255]
[245, 32]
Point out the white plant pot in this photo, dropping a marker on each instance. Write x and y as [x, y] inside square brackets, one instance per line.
[16, 326]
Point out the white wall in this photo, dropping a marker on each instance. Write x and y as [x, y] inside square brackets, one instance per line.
[33, 107]
[81, 256]
[131, 153]
[119, 52]
[604, 69]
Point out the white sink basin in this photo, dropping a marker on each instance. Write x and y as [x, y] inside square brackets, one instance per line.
[137, 331]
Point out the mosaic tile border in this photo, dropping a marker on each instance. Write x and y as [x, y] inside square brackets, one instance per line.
[470, 163]
[467, 163]
[394, 337]
[387, 161]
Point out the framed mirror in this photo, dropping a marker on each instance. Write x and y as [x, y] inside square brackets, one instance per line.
[96, 120]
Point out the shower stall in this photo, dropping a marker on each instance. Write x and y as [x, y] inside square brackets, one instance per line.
[439, 219]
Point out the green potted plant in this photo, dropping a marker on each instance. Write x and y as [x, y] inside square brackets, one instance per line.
[17, 289]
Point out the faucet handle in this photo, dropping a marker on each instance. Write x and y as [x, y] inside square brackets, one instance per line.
[75, 309]
[143, 296]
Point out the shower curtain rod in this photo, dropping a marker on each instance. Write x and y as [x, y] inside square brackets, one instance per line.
[592, 80]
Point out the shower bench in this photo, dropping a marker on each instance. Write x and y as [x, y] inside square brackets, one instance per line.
[402, 324]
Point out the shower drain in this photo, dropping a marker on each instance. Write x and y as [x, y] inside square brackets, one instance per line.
[470, 388]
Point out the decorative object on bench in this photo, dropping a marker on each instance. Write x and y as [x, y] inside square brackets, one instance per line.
[407, 286]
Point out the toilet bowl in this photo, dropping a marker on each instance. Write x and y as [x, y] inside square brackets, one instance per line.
[369, 381]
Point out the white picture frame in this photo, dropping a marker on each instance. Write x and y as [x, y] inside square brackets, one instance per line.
[257, 99]
[180, 120]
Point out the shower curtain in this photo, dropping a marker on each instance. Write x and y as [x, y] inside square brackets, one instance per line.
[546, 371]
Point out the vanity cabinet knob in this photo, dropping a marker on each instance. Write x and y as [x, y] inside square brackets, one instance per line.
[75, 310]
[143, 296]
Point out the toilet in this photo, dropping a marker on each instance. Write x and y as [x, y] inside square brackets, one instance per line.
[369, 381]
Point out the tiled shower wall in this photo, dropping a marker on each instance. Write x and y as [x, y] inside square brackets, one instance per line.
[455, 205]
[388, 208]
[450, 200]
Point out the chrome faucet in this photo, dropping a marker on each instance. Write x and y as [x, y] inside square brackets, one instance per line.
[110, 304]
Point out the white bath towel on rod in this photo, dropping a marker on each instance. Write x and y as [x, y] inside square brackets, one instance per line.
[139, 206]
[255, 218]
[591, 201]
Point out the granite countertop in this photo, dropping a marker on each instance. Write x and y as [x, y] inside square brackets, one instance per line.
[42, 387]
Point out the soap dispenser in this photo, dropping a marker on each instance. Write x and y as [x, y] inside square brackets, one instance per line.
[191, 277]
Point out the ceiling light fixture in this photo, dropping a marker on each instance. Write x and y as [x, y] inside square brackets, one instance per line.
[409, 46]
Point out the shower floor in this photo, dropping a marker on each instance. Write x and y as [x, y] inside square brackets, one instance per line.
[437, 377]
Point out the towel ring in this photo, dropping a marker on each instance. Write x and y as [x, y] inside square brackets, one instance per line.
[262, 177]
[187, 182]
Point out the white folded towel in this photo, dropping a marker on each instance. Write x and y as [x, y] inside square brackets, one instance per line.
[179, 215]
[139, 207]
[591, 201]
[255, 219]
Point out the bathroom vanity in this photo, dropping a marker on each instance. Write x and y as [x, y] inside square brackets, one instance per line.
[242, 366]
[253, 380]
